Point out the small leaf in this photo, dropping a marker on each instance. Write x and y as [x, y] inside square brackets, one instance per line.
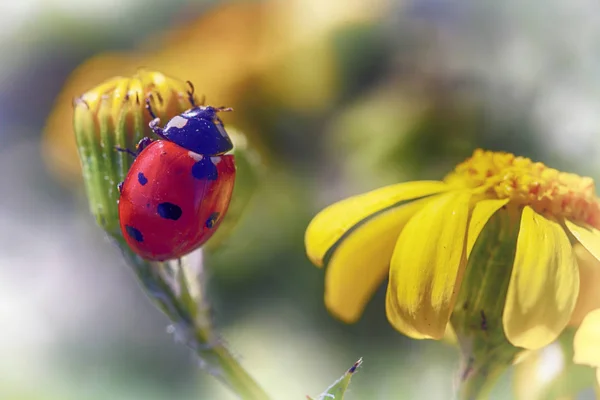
[339, 387]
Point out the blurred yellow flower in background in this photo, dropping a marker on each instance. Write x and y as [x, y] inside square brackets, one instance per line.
[281, 47]
[421, 235]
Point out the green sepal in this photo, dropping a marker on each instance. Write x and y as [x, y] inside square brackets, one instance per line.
[477, 315]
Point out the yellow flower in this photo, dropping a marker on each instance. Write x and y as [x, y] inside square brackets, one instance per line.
[421, 235]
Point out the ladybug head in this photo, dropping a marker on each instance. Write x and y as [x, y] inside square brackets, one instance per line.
[200, 130]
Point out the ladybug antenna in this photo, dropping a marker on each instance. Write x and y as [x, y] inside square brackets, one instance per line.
[190, 93]
[203, 102]
[223, 109]
[149, 106]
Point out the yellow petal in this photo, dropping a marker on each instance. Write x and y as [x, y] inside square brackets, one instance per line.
[328, 227]
[361, 261]
[586, 344]
[587, 235]
[427, 267]
[589, 284]
[544, 283]
[482, 212]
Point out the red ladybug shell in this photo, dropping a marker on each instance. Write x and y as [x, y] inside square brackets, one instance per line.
[173, 200]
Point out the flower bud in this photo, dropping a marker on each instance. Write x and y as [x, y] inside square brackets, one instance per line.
[113, 115]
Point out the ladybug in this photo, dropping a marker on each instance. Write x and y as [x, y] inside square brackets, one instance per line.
[178, 188]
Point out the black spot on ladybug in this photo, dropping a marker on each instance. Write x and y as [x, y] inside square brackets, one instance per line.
[134, 233]
[169, 211]
[205, 169]
[212, 220]
[147, 205]
[142, 178]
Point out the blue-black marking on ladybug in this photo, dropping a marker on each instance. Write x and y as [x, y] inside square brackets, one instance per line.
[134, 233]
[212, 220]
[169, 211]
[205, 169]
[199, 130]
[142, 179]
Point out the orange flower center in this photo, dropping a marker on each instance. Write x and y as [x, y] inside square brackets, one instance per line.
[546, 190]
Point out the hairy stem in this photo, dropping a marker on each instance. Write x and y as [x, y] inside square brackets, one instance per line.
[177, 289]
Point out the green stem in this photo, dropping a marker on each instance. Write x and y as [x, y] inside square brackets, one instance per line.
[483, 364]
[235, 376]
[188, 309]
[477, 382]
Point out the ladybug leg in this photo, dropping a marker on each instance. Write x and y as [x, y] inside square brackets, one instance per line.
[120, 187]
[158, 131]
[143, 143]
[130, 152]
[155, 120]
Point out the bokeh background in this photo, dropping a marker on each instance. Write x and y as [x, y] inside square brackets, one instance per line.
[339, 97]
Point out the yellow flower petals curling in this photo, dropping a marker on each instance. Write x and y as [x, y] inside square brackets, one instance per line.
[544, 284]
[427, 265]
[423, 235]
[353, 278]
[328, 227]
[333, 235]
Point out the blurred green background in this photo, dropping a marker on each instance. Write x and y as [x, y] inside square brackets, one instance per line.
[340, 97]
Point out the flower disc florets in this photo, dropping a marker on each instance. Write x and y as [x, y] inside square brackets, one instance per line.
[546, 190]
